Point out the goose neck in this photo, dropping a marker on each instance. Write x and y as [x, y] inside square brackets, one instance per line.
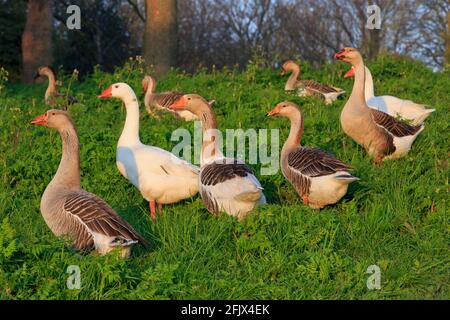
[295, 133]
[130, 132]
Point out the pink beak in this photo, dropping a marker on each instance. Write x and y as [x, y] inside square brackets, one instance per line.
[350, 73]
[40, 119]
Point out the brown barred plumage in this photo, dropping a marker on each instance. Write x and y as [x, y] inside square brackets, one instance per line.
[215, 172]
[93, 214]
[395, 127]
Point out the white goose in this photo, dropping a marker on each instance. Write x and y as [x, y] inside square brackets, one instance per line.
[160, 176]
[406, 109]
[226, 184]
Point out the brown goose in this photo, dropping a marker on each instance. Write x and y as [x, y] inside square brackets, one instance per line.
[383, 136]
[52, 96]
[307, 88]
[226, 184]
[69, 210]
[161, 101]
[319, 178]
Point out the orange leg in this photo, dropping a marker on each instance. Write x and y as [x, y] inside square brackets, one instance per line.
[152, 206]
[305, 199]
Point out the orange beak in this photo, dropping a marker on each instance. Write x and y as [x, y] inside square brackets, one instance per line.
[274, 111]
[350, 73]
[42, 120]
[179, 104]
[107, 93]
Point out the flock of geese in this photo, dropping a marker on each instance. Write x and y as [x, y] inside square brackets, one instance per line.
[225, 184]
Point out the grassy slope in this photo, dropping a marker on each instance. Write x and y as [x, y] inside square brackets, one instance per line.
[395, 217]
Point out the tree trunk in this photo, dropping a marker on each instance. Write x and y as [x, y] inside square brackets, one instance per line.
[37, 38]
[447, 43]
[161, 35]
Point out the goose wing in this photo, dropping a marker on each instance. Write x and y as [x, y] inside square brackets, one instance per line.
[395, 127]
[93, 215]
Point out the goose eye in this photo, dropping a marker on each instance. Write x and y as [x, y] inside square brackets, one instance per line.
[189, 98]
[116, 86]
[53, 113]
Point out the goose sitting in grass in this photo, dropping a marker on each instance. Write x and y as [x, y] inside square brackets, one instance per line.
[161, 101]
[160, 176]
[383, 136]
[307, 88]
[396, 107]
[71, 211]
[226, 184]
[318, 177]
[52, 96]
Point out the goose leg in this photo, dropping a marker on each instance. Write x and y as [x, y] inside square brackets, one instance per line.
[160, 206]
[305, 199]
[152, 209]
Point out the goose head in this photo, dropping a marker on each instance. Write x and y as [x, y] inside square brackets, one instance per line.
[56, 119]
[193, 103]
[350, 55]
[289, 66]
[119, 90]
[284, 109]
[147, 82]
[44, 71]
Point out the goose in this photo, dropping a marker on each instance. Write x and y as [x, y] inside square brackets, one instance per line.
[68, 210]
[396, 107]
[160, 176]
[51, 94]
[318, 177]
[307, 88]
[383, 136]
[226, 184]
[161, 101]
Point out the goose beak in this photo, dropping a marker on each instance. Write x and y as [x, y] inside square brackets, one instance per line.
[106, 94]
[42, 120]
[179, 104]
[273, 112]
[350, 73]
[340, 54]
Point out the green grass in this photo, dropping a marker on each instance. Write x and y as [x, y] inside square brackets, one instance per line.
[396, 217]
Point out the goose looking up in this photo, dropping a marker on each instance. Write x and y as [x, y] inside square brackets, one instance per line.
[226, 184]
[319, 178]
[71, 211]
[307, 88]
[51, 94]
[383, 136]
[161, 101]
[406, 109]
[160, 176]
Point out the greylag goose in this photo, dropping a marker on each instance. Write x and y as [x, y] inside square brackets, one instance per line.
[160, 176]
[318, 177]
[52, 96]
[383, 136]
[161, 101]
[396, 107]
[306, 88]
[71, 211]
[226, 184]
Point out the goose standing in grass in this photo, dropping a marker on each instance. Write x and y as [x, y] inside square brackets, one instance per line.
[51, 94]
[161, 101]
[383, 136]
[71, 211]
[396, 107]
[226, 184]
[306, 88]
[318, 177]
[160, 176]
